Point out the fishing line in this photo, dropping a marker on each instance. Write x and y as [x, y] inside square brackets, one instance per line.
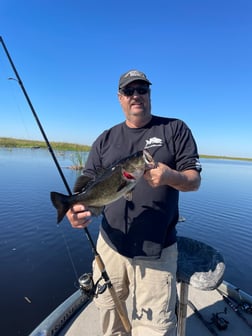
[18, 79]
[13, 97]
[119, 307]
[21, 114]
[70, 256]
[12, 90]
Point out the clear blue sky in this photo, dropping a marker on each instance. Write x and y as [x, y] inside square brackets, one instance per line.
[70, 54]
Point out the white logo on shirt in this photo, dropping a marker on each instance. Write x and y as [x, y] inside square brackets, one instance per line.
[198, 165]
[153, 142]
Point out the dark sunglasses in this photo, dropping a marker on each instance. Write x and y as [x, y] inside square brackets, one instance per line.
[142, 90]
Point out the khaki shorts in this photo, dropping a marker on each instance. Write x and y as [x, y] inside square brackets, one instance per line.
[152, 285]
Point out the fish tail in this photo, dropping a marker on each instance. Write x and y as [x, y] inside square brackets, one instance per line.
[61, 203]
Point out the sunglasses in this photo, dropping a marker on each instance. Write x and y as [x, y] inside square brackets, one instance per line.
[141, 90]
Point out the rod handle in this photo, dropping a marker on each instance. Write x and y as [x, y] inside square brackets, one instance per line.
[120, 309]
[118, 305]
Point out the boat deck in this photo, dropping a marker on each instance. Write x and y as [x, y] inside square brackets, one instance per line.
[206, 302]
[198, 265]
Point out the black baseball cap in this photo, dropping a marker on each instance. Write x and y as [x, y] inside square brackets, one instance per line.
[131, 76]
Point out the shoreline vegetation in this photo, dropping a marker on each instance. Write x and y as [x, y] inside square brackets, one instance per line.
[77, 158]
[61, 146]
[77, 148]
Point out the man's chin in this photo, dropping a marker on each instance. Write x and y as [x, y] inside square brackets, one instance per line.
[137, 113]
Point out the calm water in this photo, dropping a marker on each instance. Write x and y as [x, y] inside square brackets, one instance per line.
[41, 261]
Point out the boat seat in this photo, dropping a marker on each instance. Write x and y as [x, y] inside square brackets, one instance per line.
[200, 266]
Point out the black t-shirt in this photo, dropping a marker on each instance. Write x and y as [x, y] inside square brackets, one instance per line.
[146, 224]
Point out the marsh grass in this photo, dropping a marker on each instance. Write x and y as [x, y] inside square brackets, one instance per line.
[61, 146]
[78, 159]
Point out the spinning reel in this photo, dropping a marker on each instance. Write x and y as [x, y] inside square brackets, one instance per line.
[88, 287]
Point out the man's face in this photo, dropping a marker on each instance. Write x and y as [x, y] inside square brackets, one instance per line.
[135, 102]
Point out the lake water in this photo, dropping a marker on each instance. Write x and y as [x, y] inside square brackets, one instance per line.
[41, 261]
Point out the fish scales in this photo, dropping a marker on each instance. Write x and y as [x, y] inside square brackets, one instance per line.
[115, 182]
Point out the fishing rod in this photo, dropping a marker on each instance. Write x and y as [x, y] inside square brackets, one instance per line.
[202, 319]
[98, 259]
[236, 308]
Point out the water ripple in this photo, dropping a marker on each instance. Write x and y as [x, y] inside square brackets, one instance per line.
[45, 257]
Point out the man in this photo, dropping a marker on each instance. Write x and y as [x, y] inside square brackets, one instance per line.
[137, 239]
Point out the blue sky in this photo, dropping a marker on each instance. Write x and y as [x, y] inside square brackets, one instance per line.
[70, 54]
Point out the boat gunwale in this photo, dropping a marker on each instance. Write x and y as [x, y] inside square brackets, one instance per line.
[59, 317]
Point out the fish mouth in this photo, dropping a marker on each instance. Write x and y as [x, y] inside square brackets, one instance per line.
[128, 176]
[148, 159]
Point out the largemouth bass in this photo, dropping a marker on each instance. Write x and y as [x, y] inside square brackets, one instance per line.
[113, 183]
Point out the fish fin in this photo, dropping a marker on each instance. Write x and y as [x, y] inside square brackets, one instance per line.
[96, 211]
[82, 182]
[61, 203]
[128, 196]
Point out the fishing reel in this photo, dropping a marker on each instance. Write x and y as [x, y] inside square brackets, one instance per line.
[220, 322]
[246, 307]
[88, 287]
